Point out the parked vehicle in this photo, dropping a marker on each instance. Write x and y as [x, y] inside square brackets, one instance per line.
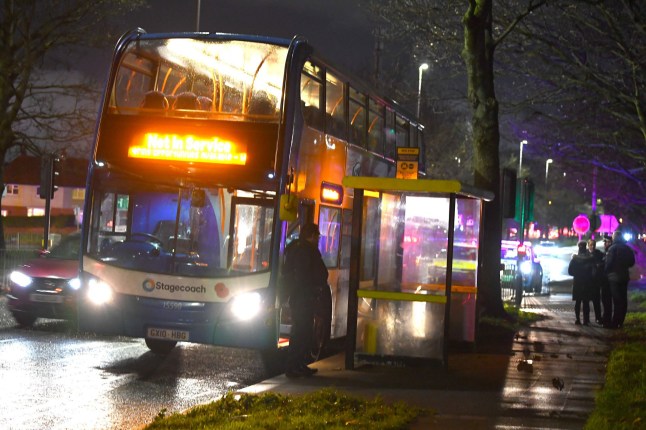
[530, 266]
[46, 287]
[465, 261]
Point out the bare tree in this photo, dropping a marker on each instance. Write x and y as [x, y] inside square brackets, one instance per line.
[45, 107]
[449, 33]
[587, 61]
[572, 79]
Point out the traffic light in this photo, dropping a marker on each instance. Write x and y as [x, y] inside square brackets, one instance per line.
[524, 200]
[508, 193]
[49, 170]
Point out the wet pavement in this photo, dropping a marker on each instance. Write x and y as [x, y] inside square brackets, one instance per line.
[544, 376]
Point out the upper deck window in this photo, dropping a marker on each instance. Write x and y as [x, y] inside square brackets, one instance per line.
[200, 78]
[335, 106]
[311, 92]
[357, 117]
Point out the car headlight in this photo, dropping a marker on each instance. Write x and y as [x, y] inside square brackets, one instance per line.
[526, 267]
[74, 283]
[246, 306]
[20, 279]
[99, 292]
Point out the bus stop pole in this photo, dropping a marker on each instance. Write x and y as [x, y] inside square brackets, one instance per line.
[355, 271]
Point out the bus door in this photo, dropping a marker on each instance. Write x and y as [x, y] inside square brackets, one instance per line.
[250, 234]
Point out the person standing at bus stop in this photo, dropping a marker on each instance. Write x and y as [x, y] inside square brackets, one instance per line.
[581, 269]
[598, 279]
[305, 275]
[606, 296]
[619, 259]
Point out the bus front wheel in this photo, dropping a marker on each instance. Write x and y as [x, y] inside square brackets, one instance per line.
[161, 347]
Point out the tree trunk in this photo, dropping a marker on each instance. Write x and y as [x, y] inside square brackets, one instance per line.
[3, 245]
[478, 56]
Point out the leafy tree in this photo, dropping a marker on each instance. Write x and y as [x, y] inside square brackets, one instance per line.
[43, 106]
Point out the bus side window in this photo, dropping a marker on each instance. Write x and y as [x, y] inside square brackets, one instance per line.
[391, 141]
[310, 101]
[375, 128]
[357, 118]
[402, 132]
[422, 150]
[335, 107]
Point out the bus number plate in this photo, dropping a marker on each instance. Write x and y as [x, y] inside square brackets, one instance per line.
[167, 334]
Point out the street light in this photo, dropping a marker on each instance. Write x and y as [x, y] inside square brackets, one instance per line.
[197, 18]
[419, 87]
[520, 159]
[547, 168]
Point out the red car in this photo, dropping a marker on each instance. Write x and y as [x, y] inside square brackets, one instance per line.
[46, 287]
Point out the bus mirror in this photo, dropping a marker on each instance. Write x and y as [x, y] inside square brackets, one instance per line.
[198, 199]
[288, 205]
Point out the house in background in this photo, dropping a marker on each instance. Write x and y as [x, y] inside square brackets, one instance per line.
[22, 179]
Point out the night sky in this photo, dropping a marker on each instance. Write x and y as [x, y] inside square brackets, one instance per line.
[339, 29]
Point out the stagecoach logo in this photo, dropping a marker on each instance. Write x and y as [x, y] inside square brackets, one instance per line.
[150, 285]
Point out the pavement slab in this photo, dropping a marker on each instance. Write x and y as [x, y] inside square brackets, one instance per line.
[544, 376]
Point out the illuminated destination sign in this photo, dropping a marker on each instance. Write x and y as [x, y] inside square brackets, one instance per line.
[179, 147]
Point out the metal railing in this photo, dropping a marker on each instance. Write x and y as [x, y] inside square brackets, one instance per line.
[508, 283]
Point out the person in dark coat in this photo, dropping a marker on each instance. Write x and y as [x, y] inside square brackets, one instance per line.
[619, 259]
[606, 296]
[581, 268]
[306, 276]
[598, 279]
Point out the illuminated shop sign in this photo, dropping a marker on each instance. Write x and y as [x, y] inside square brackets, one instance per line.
[177, 147]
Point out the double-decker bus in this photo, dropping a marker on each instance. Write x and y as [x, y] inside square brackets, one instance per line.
[211, 150]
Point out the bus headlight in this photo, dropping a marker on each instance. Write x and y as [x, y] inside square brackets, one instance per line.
[526, 267]
[246, 306]
[20, 279]
[99, 292]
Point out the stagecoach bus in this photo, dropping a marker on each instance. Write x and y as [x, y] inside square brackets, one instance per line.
[210, 151]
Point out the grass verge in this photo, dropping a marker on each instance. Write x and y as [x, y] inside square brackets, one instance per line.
[323, 409]
[516, 320]
[621, 404]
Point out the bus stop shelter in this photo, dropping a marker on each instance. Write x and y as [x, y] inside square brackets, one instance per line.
[413, 268]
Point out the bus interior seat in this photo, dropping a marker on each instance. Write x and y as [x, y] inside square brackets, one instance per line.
[186, 100]
[312, 116]
[204, 103]
[261, 105]
[155, 100]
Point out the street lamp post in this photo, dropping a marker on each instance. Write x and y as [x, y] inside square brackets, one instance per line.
[547, 168]
[197, 18]
[520, 158]
[422, 67]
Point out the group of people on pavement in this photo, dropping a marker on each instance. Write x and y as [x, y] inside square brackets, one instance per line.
[601, 278]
